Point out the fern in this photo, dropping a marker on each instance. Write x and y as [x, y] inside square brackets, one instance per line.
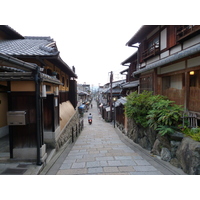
[155, 111]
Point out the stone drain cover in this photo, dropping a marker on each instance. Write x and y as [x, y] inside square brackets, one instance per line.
[11, 171]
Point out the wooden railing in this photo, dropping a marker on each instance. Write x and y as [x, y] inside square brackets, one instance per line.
[151, 51]
[186, 30]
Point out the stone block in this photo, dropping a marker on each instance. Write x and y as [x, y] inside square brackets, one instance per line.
[165, 154]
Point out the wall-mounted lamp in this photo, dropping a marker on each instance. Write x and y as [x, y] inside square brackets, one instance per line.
[56, 102]
[191, 72]
[114, 99]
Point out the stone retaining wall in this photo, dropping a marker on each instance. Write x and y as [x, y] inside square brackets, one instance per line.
[180, 151]
[71, 131]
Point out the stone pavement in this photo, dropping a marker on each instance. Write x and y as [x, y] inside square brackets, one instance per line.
[102, 150]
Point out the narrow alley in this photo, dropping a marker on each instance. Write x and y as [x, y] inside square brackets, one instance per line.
[102, 150]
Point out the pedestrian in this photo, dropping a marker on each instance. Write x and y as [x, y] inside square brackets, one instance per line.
[91, 105]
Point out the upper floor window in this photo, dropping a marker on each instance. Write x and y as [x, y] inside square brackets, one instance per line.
[152, 47]
[183, 31]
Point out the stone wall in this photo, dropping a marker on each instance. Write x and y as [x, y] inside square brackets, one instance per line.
[71, 131]
[180, 151]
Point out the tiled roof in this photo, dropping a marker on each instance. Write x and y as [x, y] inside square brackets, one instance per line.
[120, 101]
[30, 46]
[130, 84]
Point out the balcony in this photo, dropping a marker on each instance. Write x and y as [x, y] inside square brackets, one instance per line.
[185, 31]
[151, 51]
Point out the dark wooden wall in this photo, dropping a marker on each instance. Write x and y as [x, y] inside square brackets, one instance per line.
[24, 135]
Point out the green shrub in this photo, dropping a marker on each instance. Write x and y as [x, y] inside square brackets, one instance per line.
[155, 111]
[137, 107]
[165, 116]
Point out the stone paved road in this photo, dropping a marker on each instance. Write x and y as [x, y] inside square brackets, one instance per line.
[99, 150]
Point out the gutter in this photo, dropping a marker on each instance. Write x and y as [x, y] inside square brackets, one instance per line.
[183, 54]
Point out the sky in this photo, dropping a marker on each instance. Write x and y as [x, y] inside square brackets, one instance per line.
[91, 35]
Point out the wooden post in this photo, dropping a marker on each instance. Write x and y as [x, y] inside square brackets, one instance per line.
[111, 79]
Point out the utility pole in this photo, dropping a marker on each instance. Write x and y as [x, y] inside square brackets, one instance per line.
[111, 79]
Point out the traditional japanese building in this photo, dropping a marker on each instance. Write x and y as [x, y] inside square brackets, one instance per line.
[168, 63]
[36, 87]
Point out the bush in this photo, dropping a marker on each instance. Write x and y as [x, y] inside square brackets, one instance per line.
[137, 107]
[194, 133]
[155, 111]
[165, 116]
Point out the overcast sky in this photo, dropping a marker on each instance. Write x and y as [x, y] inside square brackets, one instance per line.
[90, 34]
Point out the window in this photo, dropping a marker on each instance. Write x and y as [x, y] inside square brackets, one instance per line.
[146, 83]
[153, 44]
[174, 88]
[175, 81]
[152, 47]
[185, 31]
[163, 39]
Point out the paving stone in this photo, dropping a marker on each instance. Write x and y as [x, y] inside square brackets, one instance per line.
[93, 152]
[110, 169]
[105, 158]
[114, 163]
[93, 164]
[95, 170]
[72, 171]
[123, 157]
[88, 159]
[144, 168]
[103, 163]
[78, 165]
[126, 169]
[128, 162]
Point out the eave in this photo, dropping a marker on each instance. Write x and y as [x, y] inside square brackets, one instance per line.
[130, 59]
[141, 34]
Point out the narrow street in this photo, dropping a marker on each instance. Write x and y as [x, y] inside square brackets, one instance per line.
[100, 150]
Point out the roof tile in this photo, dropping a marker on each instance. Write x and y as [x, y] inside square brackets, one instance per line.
[28, 47]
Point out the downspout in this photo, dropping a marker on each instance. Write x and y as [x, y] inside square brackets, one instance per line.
[38, 114]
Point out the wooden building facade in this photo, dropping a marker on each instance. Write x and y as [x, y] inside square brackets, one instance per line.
[34, 82]
[169, 62]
